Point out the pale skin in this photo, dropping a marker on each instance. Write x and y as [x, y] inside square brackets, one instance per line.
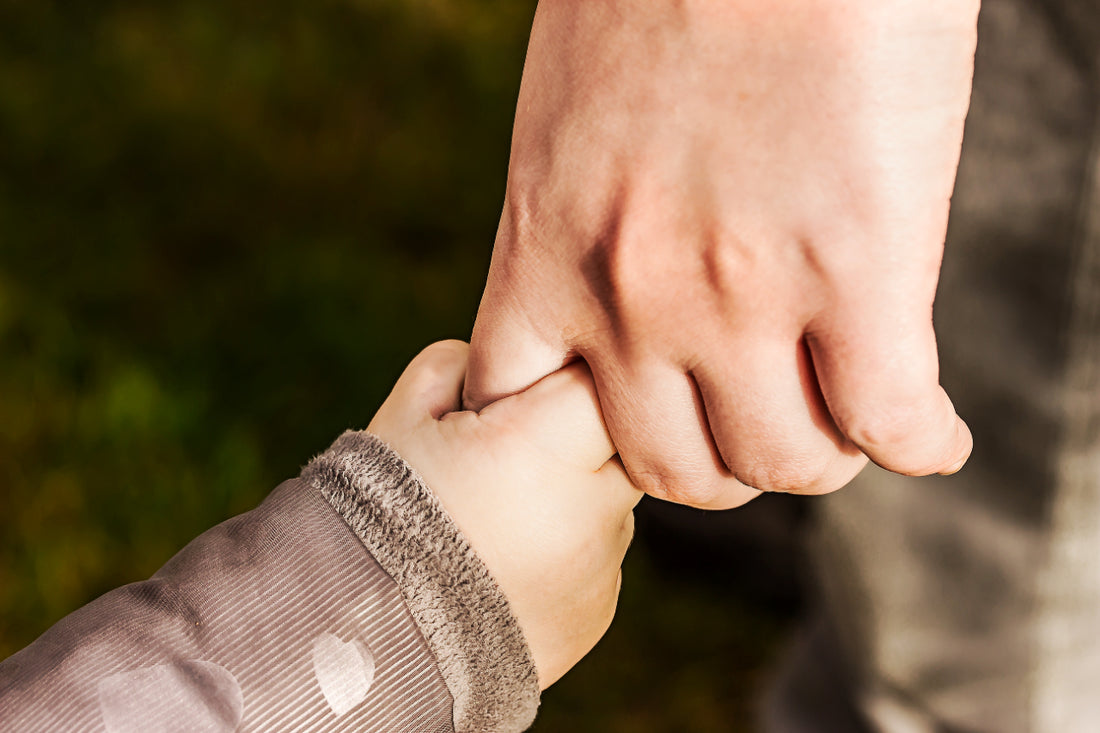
[734, 212]
[534, 485]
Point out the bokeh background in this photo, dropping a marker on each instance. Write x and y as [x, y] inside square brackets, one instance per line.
[225, 227]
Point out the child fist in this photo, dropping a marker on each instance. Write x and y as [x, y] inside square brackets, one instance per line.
[534, 483]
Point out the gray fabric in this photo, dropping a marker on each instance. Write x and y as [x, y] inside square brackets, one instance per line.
[467, 621]
[280, 619]
[972, 603]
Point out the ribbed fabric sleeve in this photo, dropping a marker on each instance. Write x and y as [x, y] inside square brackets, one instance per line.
[275, 620]
[464, 616]
[347, 601]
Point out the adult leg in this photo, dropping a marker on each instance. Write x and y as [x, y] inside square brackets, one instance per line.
[972, 602]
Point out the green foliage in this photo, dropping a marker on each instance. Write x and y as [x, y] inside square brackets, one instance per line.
[224, 229]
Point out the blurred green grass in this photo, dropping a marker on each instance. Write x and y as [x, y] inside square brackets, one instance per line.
[224, 229]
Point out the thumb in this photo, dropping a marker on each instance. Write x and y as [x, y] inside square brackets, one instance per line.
[430, 387]
[507, 355]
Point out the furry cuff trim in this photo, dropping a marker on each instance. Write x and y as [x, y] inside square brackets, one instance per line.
[463, 614]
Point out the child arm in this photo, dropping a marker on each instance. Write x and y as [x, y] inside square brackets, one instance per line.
[349, 599]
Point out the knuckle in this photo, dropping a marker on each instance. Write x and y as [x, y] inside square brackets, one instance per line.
[784, 476]
[442, 354]
[881, 431]
[691, 486]
[626, 274]
[448, 350]
[905, 440]
[680, 485]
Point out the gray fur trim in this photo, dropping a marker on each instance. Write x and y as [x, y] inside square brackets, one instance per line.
[459, 608]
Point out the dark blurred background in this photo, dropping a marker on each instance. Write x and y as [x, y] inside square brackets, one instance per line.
[225, 227]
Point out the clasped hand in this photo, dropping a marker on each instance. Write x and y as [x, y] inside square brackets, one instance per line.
[734, 213]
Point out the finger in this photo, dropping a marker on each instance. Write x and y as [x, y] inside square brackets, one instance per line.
[879, 374]
[617, 497]
[507, 354]
[430, 386]
[611, 504]
[623, 495]
[605, 517]
[561, 413]
[656, 418]
[769, 421]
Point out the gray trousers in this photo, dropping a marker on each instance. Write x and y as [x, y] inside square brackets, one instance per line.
[972, 603]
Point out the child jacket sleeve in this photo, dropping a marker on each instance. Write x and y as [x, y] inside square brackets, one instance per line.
[348, 600]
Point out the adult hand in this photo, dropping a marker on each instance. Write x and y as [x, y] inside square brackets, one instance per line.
[734, 211]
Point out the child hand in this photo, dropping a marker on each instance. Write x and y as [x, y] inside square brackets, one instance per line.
[534, 483]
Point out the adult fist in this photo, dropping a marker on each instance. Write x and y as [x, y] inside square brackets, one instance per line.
[734, 211]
